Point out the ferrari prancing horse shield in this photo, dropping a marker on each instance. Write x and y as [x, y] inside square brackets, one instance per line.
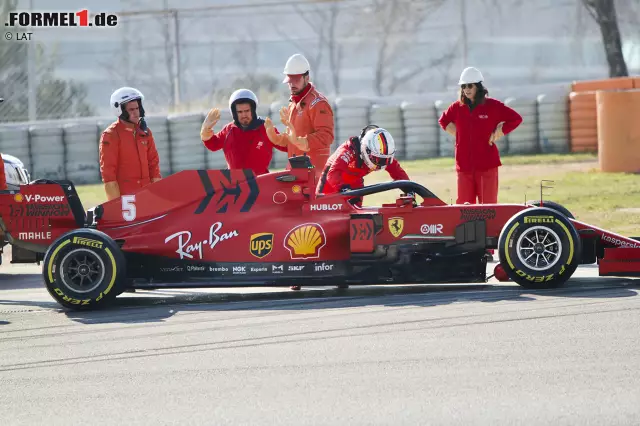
[396, 225]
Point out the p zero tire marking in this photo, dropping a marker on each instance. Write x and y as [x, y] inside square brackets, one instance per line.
[53, 256]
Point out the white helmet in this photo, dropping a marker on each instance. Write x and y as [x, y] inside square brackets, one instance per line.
[296, 65]
[377, 148]
[124, 95]
[243, 95]
[470, 75]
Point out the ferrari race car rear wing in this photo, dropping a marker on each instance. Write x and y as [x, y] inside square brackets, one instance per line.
[33, 217]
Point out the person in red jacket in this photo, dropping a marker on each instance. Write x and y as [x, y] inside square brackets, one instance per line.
[373, 150]
[244, 141]
[3, 177]
[477, 122]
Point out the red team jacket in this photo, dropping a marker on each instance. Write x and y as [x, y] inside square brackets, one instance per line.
[244, 149]
[345, 167]
[473, 129]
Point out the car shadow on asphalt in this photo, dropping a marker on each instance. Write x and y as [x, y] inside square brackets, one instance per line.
[23, 282]
[157, 306]
[23, 304]
[20, 281]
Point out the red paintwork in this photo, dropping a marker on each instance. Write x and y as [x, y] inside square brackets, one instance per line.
[500, 273]
[608, 238]
[178, 217]
[621, 254]
[42, 211]
[620, 262]
[181, 231]
[362, 236]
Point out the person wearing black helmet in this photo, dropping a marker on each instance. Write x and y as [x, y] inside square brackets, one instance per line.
[243, 141]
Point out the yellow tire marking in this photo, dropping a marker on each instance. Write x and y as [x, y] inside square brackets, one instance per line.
[570, 240]
[113, 270]
[506, 244]
[53, 256]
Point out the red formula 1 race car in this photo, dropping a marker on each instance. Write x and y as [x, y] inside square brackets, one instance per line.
[208, 228]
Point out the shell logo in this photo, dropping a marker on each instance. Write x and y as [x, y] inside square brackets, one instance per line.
[296, 189]
[18, 198]
[305, 241]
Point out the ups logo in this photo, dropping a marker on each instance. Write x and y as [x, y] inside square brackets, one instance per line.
[261, 244]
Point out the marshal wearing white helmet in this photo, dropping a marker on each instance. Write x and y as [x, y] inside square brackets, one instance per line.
[243, 141]
[308, 118]
[373, 150]
[128, 156]
[470, 75]
[296, 65]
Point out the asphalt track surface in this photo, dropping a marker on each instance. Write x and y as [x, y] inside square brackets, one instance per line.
[457, 354]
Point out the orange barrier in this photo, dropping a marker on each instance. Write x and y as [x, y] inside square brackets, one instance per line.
[619, 130]
[615, 83]
[583, 115]
[583, 123]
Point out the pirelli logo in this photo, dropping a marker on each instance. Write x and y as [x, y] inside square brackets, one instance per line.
[87, 242]
[539, 219]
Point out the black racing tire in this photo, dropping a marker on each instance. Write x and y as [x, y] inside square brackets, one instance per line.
[554, 206]
[539, 248]
[84, 269]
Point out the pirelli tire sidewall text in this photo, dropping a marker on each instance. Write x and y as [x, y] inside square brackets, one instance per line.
[99, 249]
[546, 220]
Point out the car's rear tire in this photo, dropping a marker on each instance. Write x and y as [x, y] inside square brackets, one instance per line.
[539, 248]
[84, 269]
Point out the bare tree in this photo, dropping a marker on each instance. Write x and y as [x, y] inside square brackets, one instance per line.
[604, 13]
[317, 27]
[322, 20]
[121, 66]
[394, 24]
[266, 87]
[168, 47]
[335, 49]
[443, 70]
[159, 79]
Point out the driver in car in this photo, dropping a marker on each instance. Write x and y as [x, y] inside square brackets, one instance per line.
[360, 155]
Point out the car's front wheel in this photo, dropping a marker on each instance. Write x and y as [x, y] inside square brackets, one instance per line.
[539, 248]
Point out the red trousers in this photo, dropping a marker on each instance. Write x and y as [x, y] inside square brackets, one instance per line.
[480, 186]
